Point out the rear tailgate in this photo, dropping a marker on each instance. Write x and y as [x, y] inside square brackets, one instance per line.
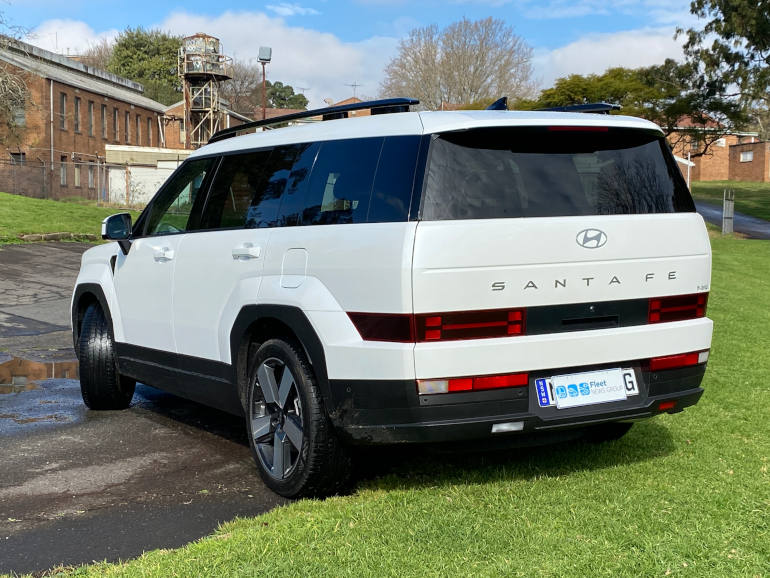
[525, 263]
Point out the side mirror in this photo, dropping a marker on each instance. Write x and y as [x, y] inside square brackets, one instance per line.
[118, 228]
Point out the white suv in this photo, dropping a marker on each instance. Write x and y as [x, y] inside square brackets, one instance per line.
[409, 277]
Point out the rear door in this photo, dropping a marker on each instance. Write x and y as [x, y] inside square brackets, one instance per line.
[220, 266]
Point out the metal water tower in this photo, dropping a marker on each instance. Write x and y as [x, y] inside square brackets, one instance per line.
[202, 67]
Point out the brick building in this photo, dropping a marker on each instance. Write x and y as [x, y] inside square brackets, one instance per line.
[72, 112]
[716, 164]
[750, 162]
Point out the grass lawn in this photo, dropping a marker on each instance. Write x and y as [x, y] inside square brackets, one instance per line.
[750, 198]
[20, 215]
[682, 495]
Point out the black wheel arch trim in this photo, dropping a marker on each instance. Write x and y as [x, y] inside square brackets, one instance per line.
[97, 292]
[296, 320]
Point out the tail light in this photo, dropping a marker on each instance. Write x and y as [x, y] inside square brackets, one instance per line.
[407, 328]
[470, 325]
[459, 384]
[679, 360]
[677, 308]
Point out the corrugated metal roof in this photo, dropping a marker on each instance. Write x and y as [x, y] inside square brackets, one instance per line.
[37, 62]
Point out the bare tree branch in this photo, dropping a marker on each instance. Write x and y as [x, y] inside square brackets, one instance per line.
[466, 62]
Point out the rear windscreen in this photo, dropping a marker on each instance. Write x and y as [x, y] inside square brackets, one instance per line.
[550, 172]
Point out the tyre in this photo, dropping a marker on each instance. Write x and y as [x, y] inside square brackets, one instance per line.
[292, 440]
[101, 386]
[608, 432]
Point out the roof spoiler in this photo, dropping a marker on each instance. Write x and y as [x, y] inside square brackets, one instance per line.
[591, 107]
[385, 106]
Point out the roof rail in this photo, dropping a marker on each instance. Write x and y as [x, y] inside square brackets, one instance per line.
[385, 106]
[594, 107]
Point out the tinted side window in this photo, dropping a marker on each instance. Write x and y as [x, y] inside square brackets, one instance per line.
[341, 183]
[235, 186]
[263, 211]
[395, 177]
[293, 199]
[178, 206]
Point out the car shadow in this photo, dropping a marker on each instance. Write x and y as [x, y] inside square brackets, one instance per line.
[161, 405]
[428, 465]
[415, 466]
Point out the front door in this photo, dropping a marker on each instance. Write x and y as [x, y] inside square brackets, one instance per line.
[144, 278]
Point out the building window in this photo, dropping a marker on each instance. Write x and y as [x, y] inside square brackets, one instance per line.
[115, 127]
[722, 142]
[90, 118]
[76, 122]
[138, 130]
[18, 158]
[127, 128]
[747, 156]
[63, 111]
[182, 134]
[104, 121]
[90, 174]
[76, 168]
[149, 132]
[694, 145]
[63, 170]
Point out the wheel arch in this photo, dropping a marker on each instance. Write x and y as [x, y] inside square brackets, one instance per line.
[85, 295]
[257, 323]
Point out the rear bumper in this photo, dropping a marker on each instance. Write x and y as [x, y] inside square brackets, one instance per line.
[387, 412]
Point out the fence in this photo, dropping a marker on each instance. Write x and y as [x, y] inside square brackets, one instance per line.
[126, 185]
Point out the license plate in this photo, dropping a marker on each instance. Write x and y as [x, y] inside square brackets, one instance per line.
[577, 389]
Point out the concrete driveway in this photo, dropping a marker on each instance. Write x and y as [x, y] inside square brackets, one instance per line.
[76, 485]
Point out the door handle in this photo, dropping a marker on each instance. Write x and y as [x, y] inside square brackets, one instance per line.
[246, 251]
[163, 254]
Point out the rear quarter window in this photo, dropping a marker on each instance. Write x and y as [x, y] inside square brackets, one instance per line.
[551, 171]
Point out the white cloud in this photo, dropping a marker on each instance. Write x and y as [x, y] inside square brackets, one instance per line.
[595, 53]
[301, 56]
[286, 9]
[67, 36]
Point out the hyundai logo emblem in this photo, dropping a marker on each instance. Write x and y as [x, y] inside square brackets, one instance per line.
[591, 238]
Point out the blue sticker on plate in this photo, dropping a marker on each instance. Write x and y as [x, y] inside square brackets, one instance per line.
[542, 392]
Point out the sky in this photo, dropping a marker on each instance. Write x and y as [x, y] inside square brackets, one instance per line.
[324, 47]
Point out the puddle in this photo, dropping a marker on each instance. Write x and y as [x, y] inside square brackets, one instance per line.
[18, 375]
[17, 418]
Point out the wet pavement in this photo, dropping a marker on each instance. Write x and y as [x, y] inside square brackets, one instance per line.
[77, 485]
[751, 227]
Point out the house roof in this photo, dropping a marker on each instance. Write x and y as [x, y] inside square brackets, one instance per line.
[76, 74]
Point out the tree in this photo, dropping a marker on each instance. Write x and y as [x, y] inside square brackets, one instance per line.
[98, 54]
[150, 58]
[13, 91]
[732, 50]
[239, 91]
[468, 61]
[280, 95]
[667, 94]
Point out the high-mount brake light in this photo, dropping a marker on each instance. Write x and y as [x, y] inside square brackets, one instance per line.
[677, 307]
[568, 128]
[479, 383]
[433, 327]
